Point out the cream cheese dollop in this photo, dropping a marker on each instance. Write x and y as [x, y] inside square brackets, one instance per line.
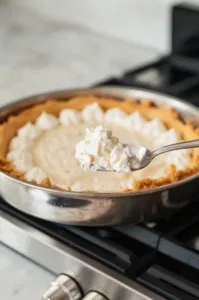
[135, 121]
[115, 115]
[22, 159]
[154, 128]
[29, 131]
[69, 116]
[20, 142]
[46, 121]
[168, 137]
[92, 113]
[101, 150]
[36, 174]
[180, 158]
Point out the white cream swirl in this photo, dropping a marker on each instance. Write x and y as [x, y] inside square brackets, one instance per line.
[101, 150]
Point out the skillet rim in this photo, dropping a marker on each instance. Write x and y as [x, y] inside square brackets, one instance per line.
[111, 91]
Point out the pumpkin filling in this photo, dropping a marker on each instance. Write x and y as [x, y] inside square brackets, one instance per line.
[38, 145]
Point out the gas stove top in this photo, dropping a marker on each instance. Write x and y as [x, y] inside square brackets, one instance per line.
[146, 261]
[162, 256]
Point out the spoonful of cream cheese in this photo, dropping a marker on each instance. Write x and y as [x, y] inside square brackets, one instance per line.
[101, 151]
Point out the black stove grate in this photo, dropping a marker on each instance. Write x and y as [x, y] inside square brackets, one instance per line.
[171, 284]
[109, 246]
[163, 256]
[162, 76]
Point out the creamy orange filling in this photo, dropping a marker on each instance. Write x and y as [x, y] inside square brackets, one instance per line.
[54, 150]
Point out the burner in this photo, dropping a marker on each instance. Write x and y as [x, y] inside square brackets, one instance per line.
[162, 76]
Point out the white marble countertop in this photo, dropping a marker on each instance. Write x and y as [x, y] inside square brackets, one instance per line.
[37, 54]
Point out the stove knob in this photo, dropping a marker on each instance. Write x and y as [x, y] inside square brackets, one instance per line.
[94, 296]
[63, 288]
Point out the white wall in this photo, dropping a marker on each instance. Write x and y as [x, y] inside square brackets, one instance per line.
[145, 22]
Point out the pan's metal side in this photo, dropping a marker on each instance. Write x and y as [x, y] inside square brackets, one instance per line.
[99, 209]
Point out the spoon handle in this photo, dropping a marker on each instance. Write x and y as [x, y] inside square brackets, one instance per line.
[177, 146]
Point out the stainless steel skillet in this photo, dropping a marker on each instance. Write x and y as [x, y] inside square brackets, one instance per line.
[95, 209]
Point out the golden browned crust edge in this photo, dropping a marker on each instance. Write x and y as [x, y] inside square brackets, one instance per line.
[168, 116]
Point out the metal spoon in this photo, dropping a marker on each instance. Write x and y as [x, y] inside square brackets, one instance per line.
[142, 156]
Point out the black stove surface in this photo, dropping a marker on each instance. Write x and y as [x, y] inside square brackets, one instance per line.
[162, 76]
[176, 74]
[165, 255]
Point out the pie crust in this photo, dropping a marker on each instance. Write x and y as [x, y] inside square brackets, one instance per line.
[168, 116]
